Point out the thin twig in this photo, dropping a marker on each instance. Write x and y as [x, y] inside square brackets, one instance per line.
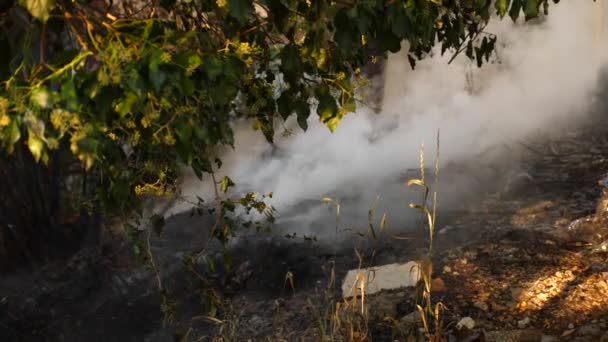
[152, 263]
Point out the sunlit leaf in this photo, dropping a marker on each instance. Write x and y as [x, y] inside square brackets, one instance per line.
[12, 135]
[125, 106]
[39, 9]
[226, 184]
[35, 145]
[501, 7]
[41, 97]
[327, 110]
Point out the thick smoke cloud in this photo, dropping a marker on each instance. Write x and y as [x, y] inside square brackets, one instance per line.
[545, 72]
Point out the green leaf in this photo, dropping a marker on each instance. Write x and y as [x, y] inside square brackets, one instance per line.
[478, 56]
[125, 106]
[531, 9]
[157, 78]
[68, 94]
[398, 21]
[155, 59]
[183, 130]
[200, 165]
[302, 109]
[388, 41]
[194, 61]
[469, 50]
[39, 9]
[212, 66]
[11, 136]
[186, 85]
[268, 129]
[501, 7]
[226, 184]
[411, 60]
[328, 110]
[290, 58]
[240, 9]
[284, 104]
[225, 91]
[516, 9]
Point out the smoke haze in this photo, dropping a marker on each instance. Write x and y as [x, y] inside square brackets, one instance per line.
[548, 72]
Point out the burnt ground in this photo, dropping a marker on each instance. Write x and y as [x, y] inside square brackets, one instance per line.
[524, 259]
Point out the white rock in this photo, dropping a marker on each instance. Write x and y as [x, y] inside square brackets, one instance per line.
[466, 322]
[481, 306]
[412, 318]
[376, 279]
[523, 323]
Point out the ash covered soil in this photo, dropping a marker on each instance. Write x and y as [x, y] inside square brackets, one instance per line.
[525, 259]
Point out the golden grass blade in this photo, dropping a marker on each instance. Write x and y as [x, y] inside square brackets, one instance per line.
[423, 317]
[383, 223]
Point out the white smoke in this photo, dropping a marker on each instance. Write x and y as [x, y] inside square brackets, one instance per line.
[547, 72]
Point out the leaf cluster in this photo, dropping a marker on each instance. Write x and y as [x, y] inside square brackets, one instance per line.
[137, 89]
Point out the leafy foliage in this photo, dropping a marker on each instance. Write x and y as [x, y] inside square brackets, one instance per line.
[137, 89]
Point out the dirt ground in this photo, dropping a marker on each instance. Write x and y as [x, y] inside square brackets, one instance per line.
[525, 260]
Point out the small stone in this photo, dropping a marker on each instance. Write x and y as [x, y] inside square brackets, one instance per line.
[466, 322]
[411, 318]
[445, 229]
[447, 269]
[548, 338]
[438, 285]
[498, 307]
[471, 255]
[516, 292]
[385, 308]
[589, 330]
[570, 326]
[481, 306]
[522, 324]
[256, 321]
